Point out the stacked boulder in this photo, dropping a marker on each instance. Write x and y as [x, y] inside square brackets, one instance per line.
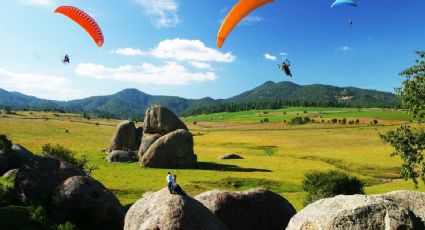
[14, 158]
[125, 143]
[395, 210]
[166, 141]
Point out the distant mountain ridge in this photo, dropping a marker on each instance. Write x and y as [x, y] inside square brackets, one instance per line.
[132, 102]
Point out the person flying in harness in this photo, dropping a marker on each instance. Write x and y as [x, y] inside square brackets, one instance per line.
[285, 67]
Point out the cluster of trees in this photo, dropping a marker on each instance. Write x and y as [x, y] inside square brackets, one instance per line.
[409, 141]
[273, 104]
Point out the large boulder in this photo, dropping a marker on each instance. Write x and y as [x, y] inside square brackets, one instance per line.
[121, 156]
[39, 177]
[165, 211]
[19, 156]
[4, 163]
[252, 209]
[161, 120]
[360, 212]
[173, 150]
[147, 140]
[86, 203]
[411, 200]
[11, 174]
[125, 138]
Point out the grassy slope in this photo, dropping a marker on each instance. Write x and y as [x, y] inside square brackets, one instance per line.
[276, 159]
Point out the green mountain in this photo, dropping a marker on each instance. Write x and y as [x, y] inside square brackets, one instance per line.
[132, 102]
[288, 91]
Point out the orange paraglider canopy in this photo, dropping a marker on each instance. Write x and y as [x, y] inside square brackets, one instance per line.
[84, 20]
[239, 11]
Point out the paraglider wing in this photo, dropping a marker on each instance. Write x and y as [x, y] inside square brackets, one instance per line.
[84, 20]
[344, 2]
[239, 11]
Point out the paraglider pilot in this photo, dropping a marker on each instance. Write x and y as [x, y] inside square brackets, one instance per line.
[66, 59]
[285, 67]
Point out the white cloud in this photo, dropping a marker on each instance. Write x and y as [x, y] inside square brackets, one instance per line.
[250, 20]
[43, 86]
[37, 2]
[269, 57]
[169, 74]
[163, 12]
[130, 52]
[345, 48]
[189, 50]
[200, 65]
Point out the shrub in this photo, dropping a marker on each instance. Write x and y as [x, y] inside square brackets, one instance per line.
[357, 121]
[297, 121]
[344, 121]
[67, 226]
[62, 153]
[266, 120]
[306, 120]
[334, 120]
[375, 122]
[38, 213]
[320, 185]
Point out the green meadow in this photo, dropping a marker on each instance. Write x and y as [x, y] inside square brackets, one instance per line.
[276, 155]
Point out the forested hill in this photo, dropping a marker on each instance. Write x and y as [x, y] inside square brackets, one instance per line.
[132, 102]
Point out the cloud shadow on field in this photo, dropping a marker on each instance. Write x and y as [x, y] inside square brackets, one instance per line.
[225, 167]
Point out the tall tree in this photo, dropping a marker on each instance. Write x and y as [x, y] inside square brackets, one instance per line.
[409, 141]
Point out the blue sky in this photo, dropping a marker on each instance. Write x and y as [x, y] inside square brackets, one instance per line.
[167, 47]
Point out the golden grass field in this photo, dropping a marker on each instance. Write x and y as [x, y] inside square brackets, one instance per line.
[276, 155]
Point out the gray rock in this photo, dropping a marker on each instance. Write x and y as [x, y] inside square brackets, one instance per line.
[354, 212]
[125, 137]
[230, 156]
[147, 140]
[172, 150]
[121, 156]
[249, 210]
[412, 200]
[86, 203]
[161, 120]
[39, 177]
[165, 211]
[11, 174]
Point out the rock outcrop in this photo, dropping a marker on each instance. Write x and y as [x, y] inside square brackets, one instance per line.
[38, 178]
[173, 150]
[165, 211]
[397, 210]
[166, 141]
[230, 156]
[125, 137]
[252, 209]
[11, 173]
[17, 156]
[86, 202]
[121, 156]
[161, 120]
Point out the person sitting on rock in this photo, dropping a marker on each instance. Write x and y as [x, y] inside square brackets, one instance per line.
[170, 180]
[176, 187]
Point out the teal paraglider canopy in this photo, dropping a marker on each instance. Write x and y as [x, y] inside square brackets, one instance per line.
[344, 2]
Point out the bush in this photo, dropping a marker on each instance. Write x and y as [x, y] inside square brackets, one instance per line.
[320, 185]
[334, 120]
[306, 120]
[67, 226]
[297, 121]
[375, 122]
[344, 121]
[62, 153]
